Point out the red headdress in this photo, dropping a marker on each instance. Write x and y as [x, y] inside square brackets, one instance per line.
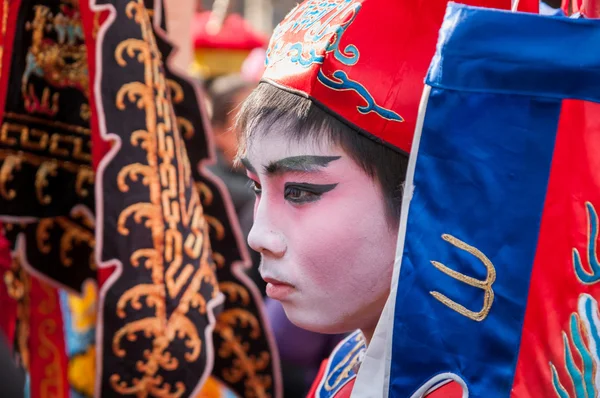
[364, 61]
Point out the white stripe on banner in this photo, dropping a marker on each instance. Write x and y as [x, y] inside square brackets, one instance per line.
[374, 375]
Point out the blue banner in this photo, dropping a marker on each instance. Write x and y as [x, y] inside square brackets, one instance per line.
[479, 185]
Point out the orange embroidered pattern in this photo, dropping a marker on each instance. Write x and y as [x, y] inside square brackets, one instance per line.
[178, 258]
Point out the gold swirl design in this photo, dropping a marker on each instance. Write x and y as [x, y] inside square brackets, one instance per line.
[47, 169]
[174, 217]
[235, 292]
[245, 366]
[75, 231]
[85, 176]
[186, 128]
[205, 193]
[11, 164]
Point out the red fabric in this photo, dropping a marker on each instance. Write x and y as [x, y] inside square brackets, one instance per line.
[344, 391]
[392, 59]
[450, 390]
[529, 6]
[7, 38]
[47, 352]
[91, 23]
[591, 8]
[574, 5]
[8, 315]
[235, 34]
[565, 228]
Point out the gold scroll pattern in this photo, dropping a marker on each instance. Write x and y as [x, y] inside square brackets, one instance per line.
[485, 285]
[246, 367]
[245, 354]
[18, 286]
[173, 216]
[75, 230]
[61, 248]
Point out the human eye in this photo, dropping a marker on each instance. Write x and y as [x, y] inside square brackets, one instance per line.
[300, 193]
[256, 187]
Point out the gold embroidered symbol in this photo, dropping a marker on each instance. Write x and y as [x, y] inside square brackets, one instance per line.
[485, 285]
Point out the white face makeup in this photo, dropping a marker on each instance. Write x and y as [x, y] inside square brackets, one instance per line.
[320, 225]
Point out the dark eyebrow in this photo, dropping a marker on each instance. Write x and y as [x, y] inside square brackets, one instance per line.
[248, 165]
[299, 164]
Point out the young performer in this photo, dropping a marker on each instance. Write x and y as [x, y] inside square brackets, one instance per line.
[325, 138]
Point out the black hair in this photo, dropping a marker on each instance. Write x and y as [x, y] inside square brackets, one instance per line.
[303, 119]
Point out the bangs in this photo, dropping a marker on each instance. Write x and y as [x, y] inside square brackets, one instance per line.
[271, 110]
[296, 117]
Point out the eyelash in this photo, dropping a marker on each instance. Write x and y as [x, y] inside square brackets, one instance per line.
[305, 193]
[256, 187]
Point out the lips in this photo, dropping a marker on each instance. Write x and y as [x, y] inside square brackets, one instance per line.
[278, 290]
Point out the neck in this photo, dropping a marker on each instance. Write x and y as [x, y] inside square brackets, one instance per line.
[369, 330]
[368, 333]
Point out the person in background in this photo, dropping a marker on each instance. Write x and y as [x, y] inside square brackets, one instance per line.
[225, 94]
[11, 378]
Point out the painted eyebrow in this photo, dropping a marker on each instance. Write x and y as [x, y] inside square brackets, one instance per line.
[248, 165]
[299, 164]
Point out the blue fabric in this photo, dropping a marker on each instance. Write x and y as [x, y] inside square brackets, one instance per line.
[340, 366]
[485, 50]
[77, 342]
[481, 175]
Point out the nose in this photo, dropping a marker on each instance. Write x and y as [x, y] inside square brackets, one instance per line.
[264, 237]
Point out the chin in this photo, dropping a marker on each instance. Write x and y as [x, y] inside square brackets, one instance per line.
[310, 319]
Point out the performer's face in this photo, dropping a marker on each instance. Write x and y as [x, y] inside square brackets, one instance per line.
[320, 225]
